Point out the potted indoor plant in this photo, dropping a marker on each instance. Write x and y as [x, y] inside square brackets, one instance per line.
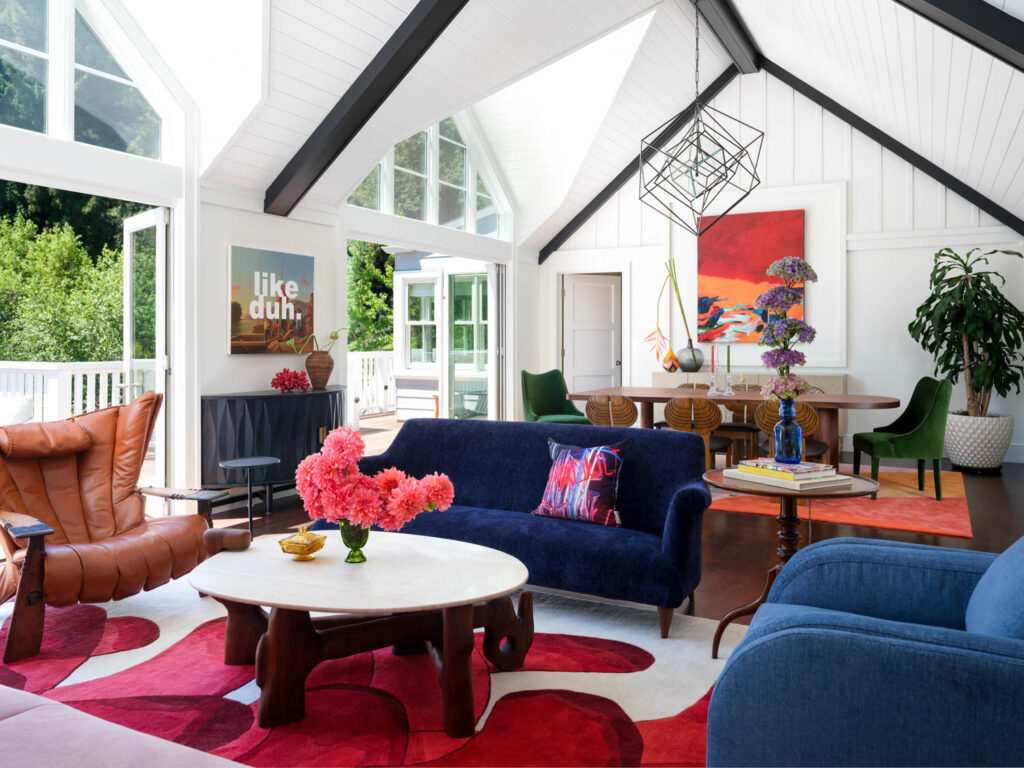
[971, 328]
[319, 362]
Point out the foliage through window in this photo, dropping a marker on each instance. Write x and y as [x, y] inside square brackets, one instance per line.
[24, 63]
[367, 194]
[421, 324]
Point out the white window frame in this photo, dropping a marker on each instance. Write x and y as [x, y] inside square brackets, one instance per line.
[477, 321]
[406, 284]
[430, 201]
[464, 189]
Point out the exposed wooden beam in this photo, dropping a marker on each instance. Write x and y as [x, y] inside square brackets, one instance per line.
[363, 98]
[725, 22]
[634, 166]
[899, 149]
[979, 23]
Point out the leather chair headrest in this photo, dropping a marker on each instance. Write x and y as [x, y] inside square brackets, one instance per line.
[38, 439]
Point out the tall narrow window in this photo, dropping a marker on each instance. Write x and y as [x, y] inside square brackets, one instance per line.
[451, 176]
[367, 194]
[23, 64]
[486, 213]
[110, 111]
[411, 177]
[421, 325]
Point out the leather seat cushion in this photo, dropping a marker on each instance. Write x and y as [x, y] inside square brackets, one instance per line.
[143, 557]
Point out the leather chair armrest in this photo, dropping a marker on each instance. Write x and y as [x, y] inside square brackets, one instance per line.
[218, 539]
[23, 526]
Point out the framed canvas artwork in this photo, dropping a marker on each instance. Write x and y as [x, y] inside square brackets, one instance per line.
[271, 300]
[732, 257]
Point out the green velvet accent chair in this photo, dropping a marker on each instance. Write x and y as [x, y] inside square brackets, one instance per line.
[544, 399]
[919, 433]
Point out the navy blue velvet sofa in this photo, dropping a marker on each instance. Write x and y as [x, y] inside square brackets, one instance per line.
[878, 653]
[499, 470]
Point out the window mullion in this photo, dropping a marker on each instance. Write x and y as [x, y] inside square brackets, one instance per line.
[387, 180]
[60, 91]
[433, 178]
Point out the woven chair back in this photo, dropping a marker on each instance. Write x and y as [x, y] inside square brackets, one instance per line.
[611, 411]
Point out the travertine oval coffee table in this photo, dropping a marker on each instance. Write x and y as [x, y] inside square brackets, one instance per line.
[413, 593]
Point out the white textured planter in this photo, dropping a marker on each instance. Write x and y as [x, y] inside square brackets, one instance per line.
[978, 442]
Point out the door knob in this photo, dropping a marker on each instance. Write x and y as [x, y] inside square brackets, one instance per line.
[618, 362]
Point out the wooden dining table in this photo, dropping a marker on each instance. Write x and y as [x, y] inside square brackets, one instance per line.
[827, 406]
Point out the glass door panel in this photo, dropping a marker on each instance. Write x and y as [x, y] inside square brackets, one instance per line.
[468, 358]
[145, 334]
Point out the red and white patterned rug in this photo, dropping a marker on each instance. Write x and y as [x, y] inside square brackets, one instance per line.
[599, 687]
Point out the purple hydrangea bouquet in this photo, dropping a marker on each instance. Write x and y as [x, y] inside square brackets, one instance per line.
[780, 333]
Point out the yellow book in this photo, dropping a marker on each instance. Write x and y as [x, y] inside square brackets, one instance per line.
[805, 470]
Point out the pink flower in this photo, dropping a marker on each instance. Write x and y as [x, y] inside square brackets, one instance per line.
[343, 447]
[387, 480]
[407, 500]
[364, 506]
[440, 491]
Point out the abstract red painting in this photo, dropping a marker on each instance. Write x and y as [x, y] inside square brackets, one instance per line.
[732, 257]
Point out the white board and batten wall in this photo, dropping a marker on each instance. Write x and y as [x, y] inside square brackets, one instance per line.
[874, 252]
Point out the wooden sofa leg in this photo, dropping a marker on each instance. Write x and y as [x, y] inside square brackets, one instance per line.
[25, 630]
[665, 620]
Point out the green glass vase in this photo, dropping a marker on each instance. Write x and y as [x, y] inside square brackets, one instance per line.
[354, 537]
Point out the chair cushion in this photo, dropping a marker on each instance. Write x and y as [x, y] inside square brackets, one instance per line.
[15, 409]
[815, 449]
[582, 483]
[144, 557]
[737, 426]
[564, 418]
[874, 443]
[996, 606]
[37, 439]
[719, 443]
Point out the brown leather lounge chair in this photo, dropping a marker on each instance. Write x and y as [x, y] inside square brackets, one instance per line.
[73, 522]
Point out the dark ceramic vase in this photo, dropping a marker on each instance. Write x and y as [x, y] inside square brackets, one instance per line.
[690, 360]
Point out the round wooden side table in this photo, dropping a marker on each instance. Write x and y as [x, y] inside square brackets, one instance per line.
[788, 521]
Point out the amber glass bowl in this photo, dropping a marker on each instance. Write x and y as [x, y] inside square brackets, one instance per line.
[303, 545]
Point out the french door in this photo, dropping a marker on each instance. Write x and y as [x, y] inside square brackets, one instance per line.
[145, 363]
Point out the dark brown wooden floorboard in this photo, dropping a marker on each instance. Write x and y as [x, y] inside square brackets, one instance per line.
[739, 548]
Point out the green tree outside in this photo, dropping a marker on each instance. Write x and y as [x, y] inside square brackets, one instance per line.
[371, 273]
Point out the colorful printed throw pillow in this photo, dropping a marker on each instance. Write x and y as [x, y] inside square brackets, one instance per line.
[583, 483]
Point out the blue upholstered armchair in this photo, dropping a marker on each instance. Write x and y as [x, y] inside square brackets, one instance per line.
[877, 653]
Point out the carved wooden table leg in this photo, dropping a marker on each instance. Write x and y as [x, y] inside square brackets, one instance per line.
[456, 671]
[286, 655]
[507, 636]
[745, 610]
[245, 626]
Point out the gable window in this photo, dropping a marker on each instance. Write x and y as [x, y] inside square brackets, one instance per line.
[367, 194]
[451, 174]
[411, 177]
[24, 64]
[486, 213]
[104, 106]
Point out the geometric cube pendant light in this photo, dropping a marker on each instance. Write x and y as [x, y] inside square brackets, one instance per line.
[707, 168]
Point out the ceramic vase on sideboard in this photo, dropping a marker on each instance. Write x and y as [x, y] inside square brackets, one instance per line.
[319, 365]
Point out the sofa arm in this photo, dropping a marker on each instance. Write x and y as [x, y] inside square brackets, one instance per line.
[832, 696]
[683, 525]
[371, 465]
[887, 580]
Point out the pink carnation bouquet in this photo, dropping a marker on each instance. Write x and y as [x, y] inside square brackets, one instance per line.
[332, 487]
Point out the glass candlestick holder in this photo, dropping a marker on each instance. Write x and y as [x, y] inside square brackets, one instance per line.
[728, 384]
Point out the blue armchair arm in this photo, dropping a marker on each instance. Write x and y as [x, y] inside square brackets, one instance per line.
[887, 580]
[872, 692]
[683, 526]
[371, 465]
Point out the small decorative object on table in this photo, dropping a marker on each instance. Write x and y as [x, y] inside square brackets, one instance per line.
[728, 371]
[303, 544]
[689, 359]
[287, 380]
[781, 333]
[332, 488]
[319, 363]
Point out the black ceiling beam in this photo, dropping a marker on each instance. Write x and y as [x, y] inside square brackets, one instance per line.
[979, 23]
[363, 98]
[728, 28]
[899, 149]
[631, 170]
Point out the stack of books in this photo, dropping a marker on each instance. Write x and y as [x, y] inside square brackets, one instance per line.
[804, 476]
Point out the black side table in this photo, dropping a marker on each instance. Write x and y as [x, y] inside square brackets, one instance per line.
[250, 463]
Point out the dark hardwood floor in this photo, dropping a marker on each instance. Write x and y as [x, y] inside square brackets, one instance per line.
[740, 548]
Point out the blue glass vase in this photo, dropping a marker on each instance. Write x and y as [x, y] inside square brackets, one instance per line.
[787, 434]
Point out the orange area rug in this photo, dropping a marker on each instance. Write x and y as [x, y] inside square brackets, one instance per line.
[899, 505]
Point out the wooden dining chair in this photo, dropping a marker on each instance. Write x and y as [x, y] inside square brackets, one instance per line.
[701, 417]
[611, 411]
[664, 424]
[742, 428]
[766, 416]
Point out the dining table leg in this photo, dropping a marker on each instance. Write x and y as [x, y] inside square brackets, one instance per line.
[647, 415]
[828, 432]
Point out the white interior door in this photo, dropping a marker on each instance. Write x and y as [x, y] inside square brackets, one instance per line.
[145, 326]
[591, 331]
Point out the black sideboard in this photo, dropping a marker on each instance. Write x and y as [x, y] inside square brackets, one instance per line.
[290, 427]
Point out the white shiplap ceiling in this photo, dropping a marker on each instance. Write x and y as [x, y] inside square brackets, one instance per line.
[317, 48]
[947, 100]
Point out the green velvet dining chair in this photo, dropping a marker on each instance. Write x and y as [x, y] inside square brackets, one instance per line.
[544, 399]
[919, 433]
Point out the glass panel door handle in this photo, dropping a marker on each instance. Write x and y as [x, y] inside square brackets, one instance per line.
[618, 362]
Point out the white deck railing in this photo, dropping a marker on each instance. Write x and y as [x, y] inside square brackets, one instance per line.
[371, 379]
[60, 390]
